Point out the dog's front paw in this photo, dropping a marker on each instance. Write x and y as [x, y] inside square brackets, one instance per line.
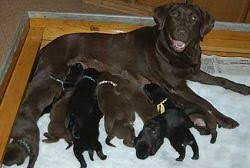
[227, 122]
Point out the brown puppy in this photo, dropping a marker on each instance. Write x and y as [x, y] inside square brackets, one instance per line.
[119, 99]
[25, 143]
[56, 127]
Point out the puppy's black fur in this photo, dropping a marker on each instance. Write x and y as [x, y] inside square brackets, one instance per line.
[173, 125]
[202, 122]
[84, 116]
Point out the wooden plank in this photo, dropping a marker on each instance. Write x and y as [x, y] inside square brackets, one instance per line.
[118, 5]
[11, 67]
[15, 90]
[77, 24]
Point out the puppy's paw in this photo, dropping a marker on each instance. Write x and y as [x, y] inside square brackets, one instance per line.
[104, 157]
[47, 135]
[195, 157]
[91, 154]
[101, 155]
[179, 159]
[50, 140]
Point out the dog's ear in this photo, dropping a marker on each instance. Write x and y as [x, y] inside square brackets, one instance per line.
[160, 15]
[207, 22]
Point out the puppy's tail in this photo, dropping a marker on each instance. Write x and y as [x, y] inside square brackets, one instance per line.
[108, 139]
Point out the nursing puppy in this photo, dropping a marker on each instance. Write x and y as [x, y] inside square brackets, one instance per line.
[204, 124]
[56, 127]
[119, 99]
[84, 116]
[173, 125]
[114, 98]
[25, 142]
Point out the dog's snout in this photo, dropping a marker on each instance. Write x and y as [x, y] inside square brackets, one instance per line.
[182, 35]
[141, 150]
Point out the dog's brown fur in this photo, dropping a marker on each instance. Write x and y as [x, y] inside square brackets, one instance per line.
[119, 101]
[27, 131]
[56, 127]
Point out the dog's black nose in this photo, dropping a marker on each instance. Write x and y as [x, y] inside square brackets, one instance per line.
[141, 156]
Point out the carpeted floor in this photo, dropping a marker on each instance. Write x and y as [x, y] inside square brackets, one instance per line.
[12, 11]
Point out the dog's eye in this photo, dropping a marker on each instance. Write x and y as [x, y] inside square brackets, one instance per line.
[194, 18]
[175, 14]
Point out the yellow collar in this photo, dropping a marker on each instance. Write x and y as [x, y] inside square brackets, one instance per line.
[161, 107]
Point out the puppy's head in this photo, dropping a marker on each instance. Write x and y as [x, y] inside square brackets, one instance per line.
[75, 71]
[155, 93]
[91, 72]
[183, 24]
[15, 154]
[149, 139]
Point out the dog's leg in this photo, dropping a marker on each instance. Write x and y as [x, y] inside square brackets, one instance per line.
[206, 124]
[195, 149]
[34, 155]
[205, 78]
[91, 154]
[188, 95]
[108, 139]
[99, 151]
[182, 152]
[68, 138]
[79, 156]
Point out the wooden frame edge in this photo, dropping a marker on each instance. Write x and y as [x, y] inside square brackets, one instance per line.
[17, 84]
[13, 55]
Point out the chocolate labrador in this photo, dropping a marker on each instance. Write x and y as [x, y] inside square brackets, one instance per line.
[167, 54]
[25, 142]
[202, 121]
[172, 124]
[84, 116]
[119, 99]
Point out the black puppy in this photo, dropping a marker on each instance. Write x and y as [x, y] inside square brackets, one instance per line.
[202, 122]
[84, 116]
[174, 125]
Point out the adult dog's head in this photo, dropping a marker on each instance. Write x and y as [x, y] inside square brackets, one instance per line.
[183, 24]
[149, 139]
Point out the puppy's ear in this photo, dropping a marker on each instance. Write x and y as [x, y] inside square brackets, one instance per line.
[160, 15]
[207, 22]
